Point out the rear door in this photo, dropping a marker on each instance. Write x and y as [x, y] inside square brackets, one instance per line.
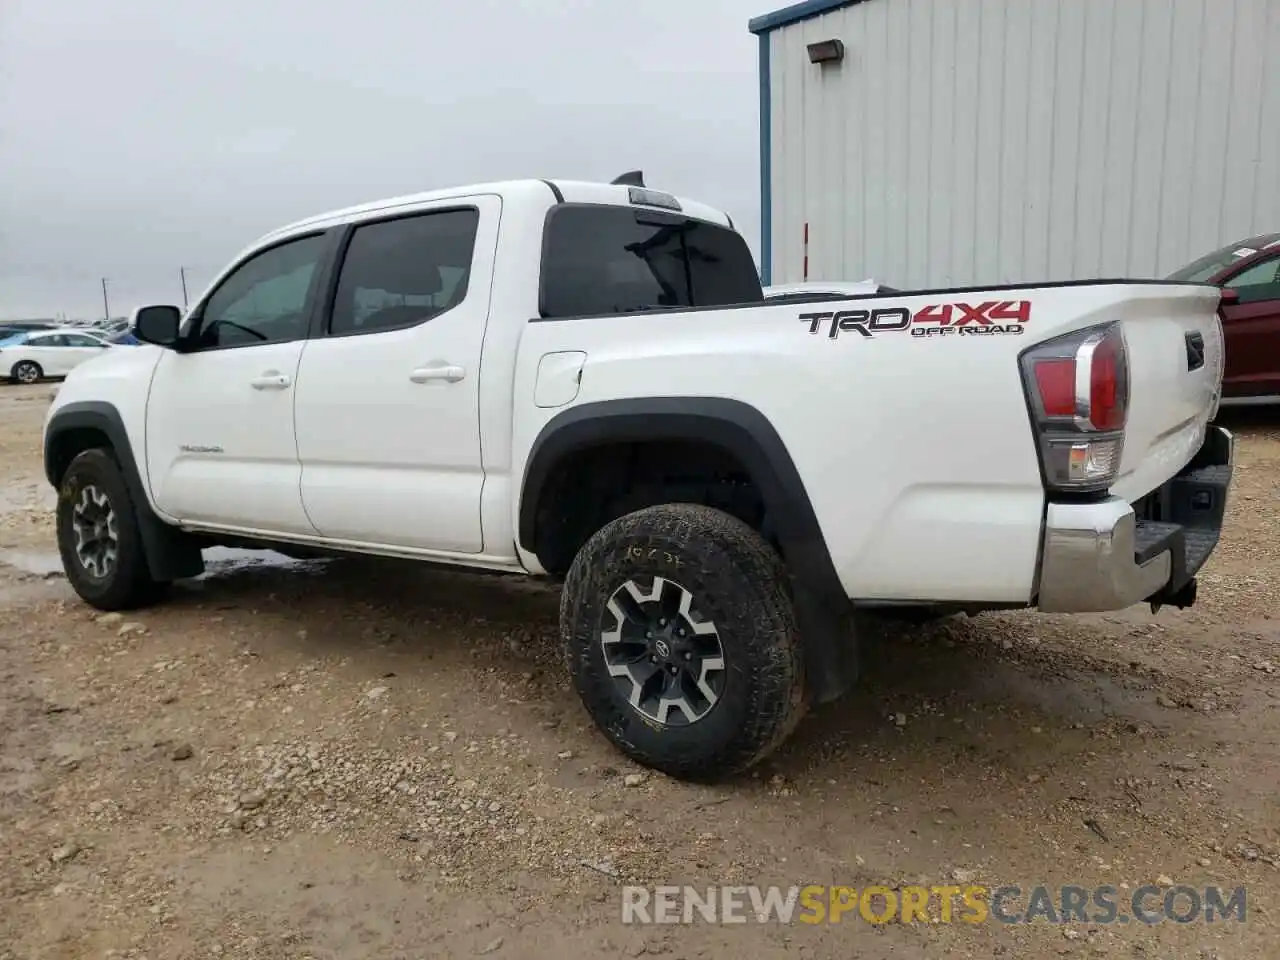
[388, 400]
[1251, 328]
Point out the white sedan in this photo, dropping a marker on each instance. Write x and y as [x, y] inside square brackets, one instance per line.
[26, 357]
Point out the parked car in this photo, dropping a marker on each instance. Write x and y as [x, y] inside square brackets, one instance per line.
[1250, 271]
[718, 479]
[9, 327]
[29, 356]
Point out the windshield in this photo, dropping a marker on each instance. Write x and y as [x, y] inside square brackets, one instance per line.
[1214, 263]
[614, 259]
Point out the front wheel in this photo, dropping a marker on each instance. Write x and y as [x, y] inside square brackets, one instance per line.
[98, 538]
[682, 640]
[28, 371]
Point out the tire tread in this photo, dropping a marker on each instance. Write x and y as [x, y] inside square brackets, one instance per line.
[770, 651]
[132, 586]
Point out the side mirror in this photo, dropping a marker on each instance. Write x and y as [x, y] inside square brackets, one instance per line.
[1229, 297]
[158, 325]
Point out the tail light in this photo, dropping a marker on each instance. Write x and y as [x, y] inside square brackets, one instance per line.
[1078, 390]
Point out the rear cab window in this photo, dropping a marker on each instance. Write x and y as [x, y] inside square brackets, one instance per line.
[603, 259]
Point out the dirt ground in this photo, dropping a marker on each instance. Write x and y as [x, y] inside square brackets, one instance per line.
[361, 758]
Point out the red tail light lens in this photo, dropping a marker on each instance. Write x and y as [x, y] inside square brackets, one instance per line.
[1056, 381]
[1107, 407]
[1078, 388]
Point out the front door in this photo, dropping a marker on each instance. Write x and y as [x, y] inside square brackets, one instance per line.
[220, 438]
[388, 401]
[1251, 331]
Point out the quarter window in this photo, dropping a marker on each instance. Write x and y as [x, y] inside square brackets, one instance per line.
[264, 300]
[399, 273]
[80, 340]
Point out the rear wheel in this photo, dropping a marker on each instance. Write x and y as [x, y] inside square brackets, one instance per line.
[27, 371]
[98, 538]
[682, 640]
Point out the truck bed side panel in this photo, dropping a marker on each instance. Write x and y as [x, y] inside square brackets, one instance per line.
[911, 434]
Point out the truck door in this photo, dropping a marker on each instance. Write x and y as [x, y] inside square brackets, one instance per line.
[220, 439]
[388, 401]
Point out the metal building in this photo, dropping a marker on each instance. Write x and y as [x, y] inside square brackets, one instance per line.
[945, 142]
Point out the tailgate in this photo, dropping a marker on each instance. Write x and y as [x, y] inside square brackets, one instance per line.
[1173, 340]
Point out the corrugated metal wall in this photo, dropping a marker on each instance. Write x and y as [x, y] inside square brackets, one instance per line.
[985, 141]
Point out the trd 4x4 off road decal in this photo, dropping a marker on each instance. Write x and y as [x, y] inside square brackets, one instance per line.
[992, 318]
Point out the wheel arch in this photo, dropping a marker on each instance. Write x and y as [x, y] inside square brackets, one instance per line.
[90, 424]
[745, 434]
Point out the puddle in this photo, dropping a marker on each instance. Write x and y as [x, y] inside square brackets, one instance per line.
[40, 563]
[219, 561]
[223, 561]
[34, 497]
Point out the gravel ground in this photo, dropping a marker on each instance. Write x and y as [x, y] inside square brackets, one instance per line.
[360, 758]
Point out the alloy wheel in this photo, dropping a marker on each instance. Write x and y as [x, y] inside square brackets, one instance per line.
[666, 661]
[94, 522]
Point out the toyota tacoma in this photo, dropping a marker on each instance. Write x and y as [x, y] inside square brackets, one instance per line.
[583, 381]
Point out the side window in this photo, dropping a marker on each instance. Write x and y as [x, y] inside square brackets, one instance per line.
[80, 340]
[1259, 282]
[264, 300]
[48, 340]
[614, 259]
[399, 273]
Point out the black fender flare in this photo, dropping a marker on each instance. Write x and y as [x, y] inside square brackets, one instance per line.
[171, 554]
[739, 429]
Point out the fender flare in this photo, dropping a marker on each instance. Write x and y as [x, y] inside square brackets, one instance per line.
[170, 553]
[822, 607]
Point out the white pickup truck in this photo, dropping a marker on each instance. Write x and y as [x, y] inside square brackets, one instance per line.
[582, 381]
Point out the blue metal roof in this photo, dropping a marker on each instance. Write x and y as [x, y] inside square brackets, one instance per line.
[795, 13]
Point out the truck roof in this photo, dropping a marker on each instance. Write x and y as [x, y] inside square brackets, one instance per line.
[543, 192]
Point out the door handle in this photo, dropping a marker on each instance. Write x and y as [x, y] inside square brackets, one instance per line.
[270, 381]
[447, 372]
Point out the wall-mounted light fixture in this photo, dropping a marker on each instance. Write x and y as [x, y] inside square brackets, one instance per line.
[826, 51]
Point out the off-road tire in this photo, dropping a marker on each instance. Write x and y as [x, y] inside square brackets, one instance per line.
[17, 373]
[739, 582]
[127, 583]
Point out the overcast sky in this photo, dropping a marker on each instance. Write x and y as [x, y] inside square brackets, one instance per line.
[137, 136]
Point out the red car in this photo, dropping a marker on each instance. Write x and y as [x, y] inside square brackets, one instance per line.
[1250, 318]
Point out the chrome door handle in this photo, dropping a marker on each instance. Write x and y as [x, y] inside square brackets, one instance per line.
[270, 381]
[446, 372]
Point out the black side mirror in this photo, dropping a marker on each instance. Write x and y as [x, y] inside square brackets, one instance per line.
[158, 325]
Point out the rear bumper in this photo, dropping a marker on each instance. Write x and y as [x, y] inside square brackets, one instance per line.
[1110, 554]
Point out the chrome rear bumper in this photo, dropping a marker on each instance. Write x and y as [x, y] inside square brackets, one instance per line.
[1107, 555]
